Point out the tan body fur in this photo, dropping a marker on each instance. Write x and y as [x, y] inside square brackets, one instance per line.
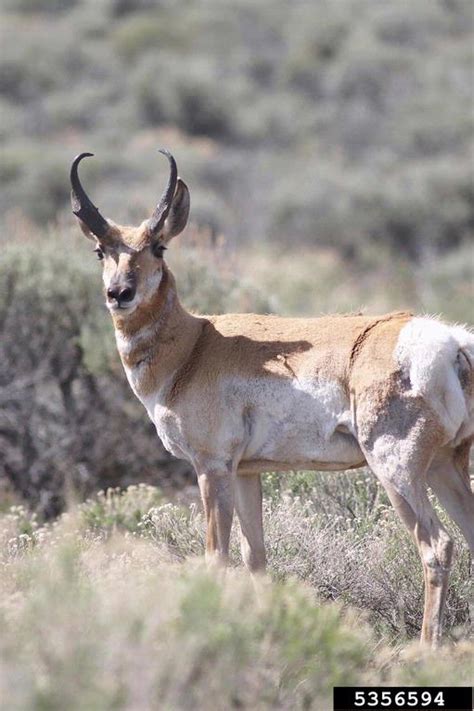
[240, 394]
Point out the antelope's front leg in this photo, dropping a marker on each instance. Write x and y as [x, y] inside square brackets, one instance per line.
[217, 495]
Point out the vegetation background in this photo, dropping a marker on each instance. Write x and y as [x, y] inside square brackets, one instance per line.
[328, 149]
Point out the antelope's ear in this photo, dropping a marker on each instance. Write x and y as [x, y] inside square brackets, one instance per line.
[178, 214]
[85, 230]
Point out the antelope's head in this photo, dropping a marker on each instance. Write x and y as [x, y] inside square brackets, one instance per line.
[132, 257]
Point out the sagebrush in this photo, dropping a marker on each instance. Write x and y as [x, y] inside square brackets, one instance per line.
[111, 607]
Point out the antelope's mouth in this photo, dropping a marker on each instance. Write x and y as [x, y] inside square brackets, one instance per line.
[117, 307]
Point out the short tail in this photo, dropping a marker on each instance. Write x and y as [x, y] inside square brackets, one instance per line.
[464, 368]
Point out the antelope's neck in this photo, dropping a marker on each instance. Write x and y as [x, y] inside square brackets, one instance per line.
[156, 339]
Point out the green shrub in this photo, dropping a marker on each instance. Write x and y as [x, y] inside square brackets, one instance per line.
[145, 32]
[338, 133]
[115, 509]
[49, 7]
[120, 8]
[196, 97]
[338, 533]
[447, 285]
[207, 281]
[109, 621]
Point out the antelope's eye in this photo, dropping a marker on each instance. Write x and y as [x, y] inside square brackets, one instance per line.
[158, 250]
[99, 252]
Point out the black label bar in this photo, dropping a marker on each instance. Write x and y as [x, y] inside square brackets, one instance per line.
[403, 698]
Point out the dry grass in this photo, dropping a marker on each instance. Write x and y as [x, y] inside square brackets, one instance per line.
[111, 607]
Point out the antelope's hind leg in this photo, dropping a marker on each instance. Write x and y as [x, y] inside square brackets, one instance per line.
[400, 460]
[248, 503]
[448, 476]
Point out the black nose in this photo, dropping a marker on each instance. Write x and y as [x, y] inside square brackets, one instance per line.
[121, 294]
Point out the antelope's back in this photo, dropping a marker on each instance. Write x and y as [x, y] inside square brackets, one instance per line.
[347, 348]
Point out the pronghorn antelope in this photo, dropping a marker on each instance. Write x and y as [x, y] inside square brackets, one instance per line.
[240, 394]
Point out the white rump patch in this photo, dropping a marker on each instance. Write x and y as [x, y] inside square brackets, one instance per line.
[427, 351]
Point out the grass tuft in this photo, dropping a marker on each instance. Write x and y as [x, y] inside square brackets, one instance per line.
[111, 606]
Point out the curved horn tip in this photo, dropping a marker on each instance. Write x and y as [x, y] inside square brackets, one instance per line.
[80, 156]
[170, 156]
[82, 206]
[156, 221]
[77, 160]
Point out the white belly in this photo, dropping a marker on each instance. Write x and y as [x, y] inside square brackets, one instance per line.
[260, 424]
[302, 423]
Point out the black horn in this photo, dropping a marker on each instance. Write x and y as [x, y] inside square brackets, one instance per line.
[157, 220]
[82, 206]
